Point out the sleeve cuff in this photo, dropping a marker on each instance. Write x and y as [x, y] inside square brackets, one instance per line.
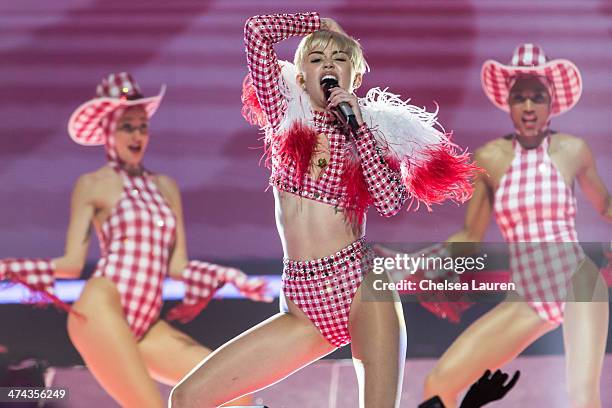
[363, 133]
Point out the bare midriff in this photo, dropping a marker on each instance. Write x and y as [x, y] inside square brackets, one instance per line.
[310, 229]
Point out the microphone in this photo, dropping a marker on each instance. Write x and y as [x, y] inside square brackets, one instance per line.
[343, 111]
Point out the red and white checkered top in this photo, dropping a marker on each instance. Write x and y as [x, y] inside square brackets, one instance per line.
[561, 75]
[535, 210]
[326, 188]
[136, 242]
[384, 185]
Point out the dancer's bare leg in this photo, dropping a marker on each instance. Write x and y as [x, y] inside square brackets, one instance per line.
[105, 340]
[263, 355]
[170, 355]
[491, 341]
[585, 332]
[378, 334]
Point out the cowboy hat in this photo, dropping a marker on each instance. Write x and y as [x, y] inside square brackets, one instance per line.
[563, 78]
[117, 91]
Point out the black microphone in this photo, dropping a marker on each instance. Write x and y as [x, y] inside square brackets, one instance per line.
[343, 111]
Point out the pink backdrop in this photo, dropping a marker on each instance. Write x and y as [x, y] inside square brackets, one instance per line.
[52, 54]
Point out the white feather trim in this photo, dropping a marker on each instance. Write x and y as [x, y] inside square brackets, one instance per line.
[406, 130]
[298, 101]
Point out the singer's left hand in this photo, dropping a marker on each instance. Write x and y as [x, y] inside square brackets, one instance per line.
[339, 95]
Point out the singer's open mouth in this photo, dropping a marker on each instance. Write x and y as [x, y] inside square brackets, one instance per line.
[328, 76]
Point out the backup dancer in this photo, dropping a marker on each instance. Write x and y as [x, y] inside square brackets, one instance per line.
[528, 186]
[325, 175]
[115, 324]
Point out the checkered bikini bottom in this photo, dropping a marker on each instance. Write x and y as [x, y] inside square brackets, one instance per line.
[324, 288]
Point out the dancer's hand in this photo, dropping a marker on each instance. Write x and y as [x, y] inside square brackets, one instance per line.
[256, 289]
[331, 25]
[488, 389]
[253, 288]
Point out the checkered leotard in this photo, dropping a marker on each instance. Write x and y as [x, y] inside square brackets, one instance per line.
[535, 210]
[136, 242]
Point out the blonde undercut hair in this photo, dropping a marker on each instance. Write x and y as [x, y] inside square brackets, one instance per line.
[321, 39]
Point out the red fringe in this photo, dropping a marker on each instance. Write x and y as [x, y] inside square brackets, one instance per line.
[449, 310]
[251, 108]
[185, 313]
[445, 174]
[41, 297]
[297, 147]
[445, 305]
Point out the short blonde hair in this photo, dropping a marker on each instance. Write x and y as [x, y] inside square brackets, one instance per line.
[321, 39]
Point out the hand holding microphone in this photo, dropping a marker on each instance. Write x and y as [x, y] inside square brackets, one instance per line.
[342, 103]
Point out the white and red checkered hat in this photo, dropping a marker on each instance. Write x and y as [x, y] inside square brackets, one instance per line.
[563, 78]
[117, 91]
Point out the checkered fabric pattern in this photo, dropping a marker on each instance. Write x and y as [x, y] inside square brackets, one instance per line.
[529, 59]
[260, 35]
[385, 185]
[324, 288]
[116, 91]
[36, 274]
[136, 242]
[326, 187]
[201, 280]
[535, 210]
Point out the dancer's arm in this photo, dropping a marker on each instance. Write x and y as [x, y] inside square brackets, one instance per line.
[69, 265]
[39, 274]
[201, 279]
[260, 35]
[480, 205]
[180, 265]
[461, 243]
[591, 183]
[82, 209]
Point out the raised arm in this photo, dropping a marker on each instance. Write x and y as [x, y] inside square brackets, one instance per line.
[591, 183]
[260, 35]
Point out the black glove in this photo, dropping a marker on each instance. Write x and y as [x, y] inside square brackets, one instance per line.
[434, 402]
[488, 389]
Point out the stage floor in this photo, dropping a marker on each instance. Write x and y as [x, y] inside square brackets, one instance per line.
[332, 384]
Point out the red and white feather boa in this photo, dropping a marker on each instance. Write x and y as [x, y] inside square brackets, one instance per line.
[433, 168]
